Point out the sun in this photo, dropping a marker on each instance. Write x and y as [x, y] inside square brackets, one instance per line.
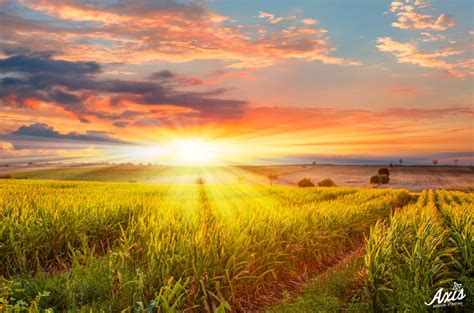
[195, 151]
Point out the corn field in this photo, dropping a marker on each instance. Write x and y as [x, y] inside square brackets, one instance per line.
[424, 246]
[82, 246]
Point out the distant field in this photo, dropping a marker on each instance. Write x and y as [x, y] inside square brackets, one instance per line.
[413, 178]
[101, 246]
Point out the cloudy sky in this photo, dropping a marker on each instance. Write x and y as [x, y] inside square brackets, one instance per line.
[265, 81]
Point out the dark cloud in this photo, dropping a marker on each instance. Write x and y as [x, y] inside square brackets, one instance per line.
[43, 63]
[42, 131]
[162, 75]
[168, 77]
[40, 136]
[138, 8]
[37, 130]
[68, 84]
[121, 124]
[27, 52]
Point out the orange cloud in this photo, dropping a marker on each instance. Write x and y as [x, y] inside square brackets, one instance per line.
[309, 21]
[409, 53]
[139, 32]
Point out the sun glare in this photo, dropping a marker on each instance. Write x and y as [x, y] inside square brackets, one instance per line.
[195, 151]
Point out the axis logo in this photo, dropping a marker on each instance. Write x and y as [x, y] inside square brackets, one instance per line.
[449, 297]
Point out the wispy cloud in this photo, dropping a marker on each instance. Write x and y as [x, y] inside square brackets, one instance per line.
[139, 32]
[407, 18]
[409, 53]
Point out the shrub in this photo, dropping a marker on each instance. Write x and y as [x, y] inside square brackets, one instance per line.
[7, 176]
[328, 182]
[200, 181]
[375, 180]
[379, 179]
[383, 171]
[384, 179]
[305, 182]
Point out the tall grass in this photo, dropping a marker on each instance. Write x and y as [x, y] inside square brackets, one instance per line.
[115, 246]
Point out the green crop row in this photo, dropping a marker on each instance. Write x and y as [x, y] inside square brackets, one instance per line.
[424, 247]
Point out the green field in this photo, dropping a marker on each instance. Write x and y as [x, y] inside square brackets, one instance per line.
[81, 246]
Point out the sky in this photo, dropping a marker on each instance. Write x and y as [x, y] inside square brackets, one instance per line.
[236, 82]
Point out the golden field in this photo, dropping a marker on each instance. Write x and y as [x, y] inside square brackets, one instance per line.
[81, 246]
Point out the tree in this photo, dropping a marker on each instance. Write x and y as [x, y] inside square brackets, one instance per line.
[305, 182]
[200, 181]
[383, 171]
[400, 161]
[272, 178]
[384, 179]
[435, 162]
[328, 182]
[314, 163]
[375, 180]
[456, 161]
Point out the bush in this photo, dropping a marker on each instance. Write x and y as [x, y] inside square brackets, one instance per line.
[383, 171]
[384, 179]
[305, 182]
[375, 180]
[200, 181]
[7, 176]
[379, 179]
[327, 183]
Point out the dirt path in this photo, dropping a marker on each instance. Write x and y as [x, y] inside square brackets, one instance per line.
[270, 296]
[332, 291]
